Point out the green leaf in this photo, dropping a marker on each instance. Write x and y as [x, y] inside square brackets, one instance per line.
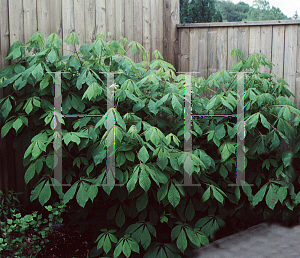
[120, 217]
[29, 174]
[271, 197]
[28, 106]
[193, 237]
[51, 161]
[173, 196]
[217, 195]
[45, 194]
[181, 241]
[107, 245]
[6, 108]
[145, 238]
[38, 72]
[264, 121]
[220, 131]
[176, 106]
[82, 196]
[92, 192]
[17, 124]
[252, 120]
[70, 193]
[144, 180]
[287, 114]
[72, 39]
[190, 211]
[143, 154]
[52, 56]
[258, 197]
[142, 202]
[206, 195]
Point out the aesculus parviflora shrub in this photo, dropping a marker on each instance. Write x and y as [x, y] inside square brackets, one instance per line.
[150, 215]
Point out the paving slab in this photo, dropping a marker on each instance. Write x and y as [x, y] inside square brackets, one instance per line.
[261, 241]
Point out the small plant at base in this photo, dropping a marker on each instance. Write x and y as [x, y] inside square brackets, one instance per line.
[20, 231]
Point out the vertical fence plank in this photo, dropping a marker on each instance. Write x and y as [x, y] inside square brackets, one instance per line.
[90, 25]
[68, 25]
[297, 90]
[232, 43]
[202, 49]
[194, 48]
[129, 21]
[4, 36]
[120, 19]
[80, 26]
[222, 48]
[171, 18]
[30, 21]
[101, 17]
[4, 48]
[158, 13]
[16, 26]
[137, 27]
[266, 45]
[56, 18]
[43, 17]
[147, 27]
[290, 57]
[212, 64]
[243, 40]
[278, 50]
[254, 40]
[111, 17]
[184, 50]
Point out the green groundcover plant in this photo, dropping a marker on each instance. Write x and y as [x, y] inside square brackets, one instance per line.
[17, 231]
[150, 215]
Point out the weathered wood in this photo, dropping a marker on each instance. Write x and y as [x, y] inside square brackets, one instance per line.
[243, 40]
[68, 25]
[232, 43]
[202, 49]
[147, 27]
[266, 46]
[120, 19]
[212, 64]
[254, 40]
[30, 21]
[90, 26]
[137, 27]
[222, 48]
[184, 41]
[56, 18]
[111, 18]
[238, 24]
[158, 13]
[100, 17]
[129, 21]
[297, 90]
[43, 17]
[278, 50]
[79, 13]
[194, 51]
[290, 57]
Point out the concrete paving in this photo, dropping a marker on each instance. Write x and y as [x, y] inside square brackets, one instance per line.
[261, 241]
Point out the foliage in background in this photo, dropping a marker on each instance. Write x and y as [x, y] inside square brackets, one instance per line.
[194, 11]
[18, 232]
[150, 215]
[197, 11]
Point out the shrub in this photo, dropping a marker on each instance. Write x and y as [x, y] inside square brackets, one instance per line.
[151, 215]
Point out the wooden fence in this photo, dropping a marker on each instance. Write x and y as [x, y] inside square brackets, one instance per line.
[206, 47]
[154, 24]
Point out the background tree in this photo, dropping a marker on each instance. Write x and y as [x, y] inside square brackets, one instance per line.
[296, 16]
[261, 11]
[194, 11]
[232, 12]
